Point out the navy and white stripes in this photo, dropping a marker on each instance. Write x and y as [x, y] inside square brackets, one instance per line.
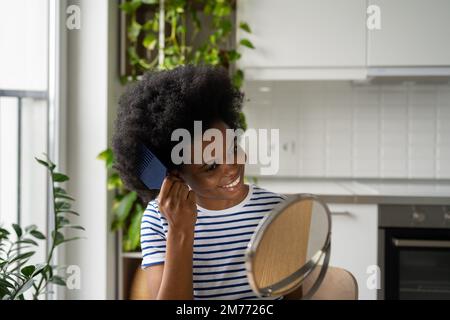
[220, 241]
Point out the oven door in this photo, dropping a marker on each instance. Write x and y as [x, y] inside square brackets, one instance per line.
[417, 263]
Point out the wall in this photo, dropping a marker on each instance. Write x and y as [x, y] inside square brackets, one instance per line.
[91, 51]
[343, 129]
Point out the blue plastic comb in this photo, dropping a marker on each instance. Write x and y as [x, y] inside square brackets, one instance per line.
[151, 171]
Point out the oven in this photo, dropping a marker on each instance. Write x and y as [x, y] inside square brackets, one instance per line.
[414, 252]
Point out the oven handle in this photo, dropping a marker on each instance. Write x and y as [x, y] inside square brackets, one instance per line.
[421, 243]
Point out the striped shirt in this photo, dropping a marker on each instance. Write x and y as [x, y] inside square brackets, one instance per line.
[220, 240]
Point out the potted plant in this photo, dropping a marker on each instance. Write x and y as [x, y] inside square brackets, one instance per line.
[17, 276]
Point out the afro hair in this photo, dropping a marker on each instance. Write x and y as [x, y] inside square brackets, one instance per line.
[151, 109]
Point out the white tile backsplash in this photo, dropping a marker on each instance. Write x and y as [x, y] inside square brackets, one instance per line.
[340, 129]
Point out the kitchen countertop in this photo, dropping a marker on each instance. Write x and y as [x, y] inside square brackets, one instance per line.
[364, 191]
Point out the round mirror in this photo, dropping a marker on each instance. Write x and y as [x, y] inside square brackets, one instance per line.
[290, 247]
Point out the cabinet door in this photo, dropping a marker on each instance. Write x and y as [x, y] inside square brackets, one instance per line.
[354, 242]
[413, 33]
[304, 33]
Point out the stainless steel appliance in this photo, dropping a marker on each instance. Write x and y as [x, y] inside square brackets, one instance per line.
[414, 251]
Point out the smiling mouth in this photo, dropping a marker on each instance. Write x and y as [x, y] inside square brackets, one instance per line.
[233, 183]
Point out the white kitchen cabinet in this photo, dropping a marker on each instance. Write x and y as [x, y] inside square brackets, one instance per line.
[293, 36]
[354, 242]
[413, 33]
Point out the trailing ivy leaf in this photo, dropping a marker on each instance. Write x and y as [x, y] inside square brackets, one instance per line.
[134, 230]
[149, 41]
[17, 229]
[244, 26]
[28, 270]
[238, 78]
[107, 156]
[114, 181]
[130, 6]
[37, 234]
[133, 30]
[125, 205]
[247, 43]
[59, 177]
[233, 55]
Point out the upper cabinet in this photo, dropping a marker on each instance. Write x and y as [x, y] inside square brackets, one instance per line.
[329, 39]
[300, 34]
[413, 33]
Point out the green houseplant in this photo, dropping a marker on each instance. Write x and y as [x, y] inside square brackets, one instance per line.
[193, 32]
[17, 276]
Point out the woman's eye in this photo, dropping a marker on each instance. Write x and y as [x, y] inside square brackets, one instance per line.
[211, 167]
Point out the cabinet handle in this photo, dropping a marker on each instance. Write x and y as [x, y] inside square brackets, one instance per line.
[421, 243]
[341, 213]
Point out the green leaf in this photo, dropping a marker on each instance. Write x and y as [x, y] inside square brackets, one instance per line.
[130, 6]
[149, 41]
[134, 229]
[17, 229]
[59, 177]
[126, 203]
[62, 205]
[238, 78]
[22, 256]
[37, 234]
[133, 30]
[28, 270]
[27, 285]
[67, 211]
[60, 190]
[58, 237]
[63, 196]
[247, 43]
[50, 165]
[58, 280]
[31, 227]
[107, 156]
[233, 55]
[28, 241]
[72, 239]
[244, 26]
[114, 181]
[150, 1]
[61, 221]
[71, 226]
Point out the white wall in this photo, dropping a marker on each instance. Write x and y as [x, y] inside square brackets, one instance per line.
[90, 53]
[357, 131]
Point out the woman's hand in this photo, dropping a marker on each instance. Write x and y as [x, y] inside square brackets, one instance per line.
[177, 203]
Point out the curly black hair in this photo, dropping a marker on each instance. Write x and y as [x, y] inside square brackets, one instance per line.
[163, 101]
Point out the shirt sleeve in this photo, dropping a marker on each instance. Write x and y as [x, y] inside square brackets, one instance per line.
[153, 237]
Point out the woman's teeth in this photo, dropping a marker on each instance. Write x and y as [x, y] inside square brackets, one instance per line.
[234, 183]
